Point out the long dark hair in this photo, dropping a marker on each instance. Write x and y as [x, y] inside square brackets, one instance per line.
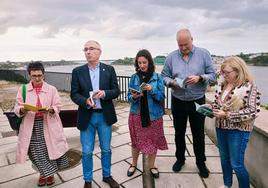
[147, 55]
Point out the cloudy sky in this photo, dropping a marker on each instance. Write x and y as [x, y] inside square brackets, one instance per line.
[58, 29]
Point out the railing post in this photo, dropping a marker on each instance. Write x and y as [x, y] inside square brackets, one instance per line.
[147, 179]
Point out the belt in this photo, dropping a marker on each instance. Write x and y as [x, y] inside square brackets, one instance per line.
[97, 110]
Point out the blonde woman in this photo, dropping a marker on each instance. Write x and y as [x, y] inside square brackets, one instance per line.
[236, 105]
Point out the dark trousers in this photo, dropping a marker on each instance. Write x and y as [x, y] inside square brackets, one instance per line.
[181, 110]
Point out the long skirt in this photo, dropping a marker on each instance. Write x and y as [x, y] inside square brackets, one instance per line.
[147, 139]
[38, 153]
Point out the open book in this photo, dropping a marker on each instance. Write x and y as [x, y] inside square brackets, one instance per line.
[181, 82]
[138, 90]
[141, 86]
[134, 90]
[34, 108]
[204, 109]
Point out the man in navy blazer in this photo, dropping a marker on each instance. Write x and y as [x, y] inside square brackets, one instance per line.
[93, 87]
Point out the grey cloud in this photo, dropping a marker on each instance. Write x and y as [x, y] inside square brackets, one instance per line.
[133, 19]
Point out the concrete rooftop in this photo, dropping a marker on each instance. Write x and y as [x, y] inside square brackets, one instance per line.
[24, 176]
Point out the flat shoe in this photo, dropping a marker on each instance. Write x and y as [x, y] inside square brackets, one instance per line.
[130, 173]
[154, 174]
[41, 181]
[50, 180]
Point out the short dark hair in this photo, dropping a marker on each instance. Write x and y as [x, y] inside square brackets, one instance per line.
[147, 55]
[35, 66]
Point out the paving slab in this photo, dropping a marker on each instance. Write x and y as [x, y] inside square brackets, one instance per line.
[207, 139]
[124, 115]
[122, 121]
[27, 182]
[169, 152]
[171, 139]
[169, 130]
[75, 183]
[123, 129]
[3, 123]
[3, 160]
[5, 128]
[214, 164]
[216, 180]
[77, 171]
[173, 180]
[119, 173]
[120, 140]
[168, 123]
[15, 171]
[8, 140]
[8, 148]
[119, 153]
[72, 173]
[165, 165]
[133, 183]
[23, 176]
[12, 157]
[211, 150]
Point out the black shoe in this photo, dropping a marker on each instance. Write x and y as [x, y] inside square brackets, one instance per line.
[129, 172]
[177, 166]
[87, 185]
[203, 170]
[111, 182]
[154, 174]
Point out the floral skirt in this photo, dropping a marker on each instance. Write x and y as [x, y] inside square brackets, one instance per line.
[147, 139]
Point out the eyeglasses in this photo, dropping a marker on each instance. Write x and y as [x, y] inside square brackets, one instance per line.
[90, 49]
[226, 73]
[37, 76]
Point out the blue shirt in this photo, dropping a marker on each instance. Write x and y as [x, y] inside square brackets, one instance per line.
[95, 81]
[199, 64]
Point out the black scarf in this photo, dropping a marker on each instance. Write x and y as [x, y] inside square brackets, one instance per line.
[144, 110]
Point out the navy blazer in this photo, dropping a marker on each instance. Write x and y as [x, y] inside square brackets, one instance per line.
[81, 86]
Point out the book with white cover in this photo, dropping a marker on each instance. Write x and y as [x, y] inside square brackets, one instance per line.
[181, 82]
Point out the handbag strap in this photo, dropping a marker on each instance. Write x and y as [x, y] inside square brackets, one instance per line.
[24, 92]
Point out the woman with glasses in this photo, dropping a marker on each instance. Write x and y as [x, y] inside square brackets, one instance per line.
[235, 108]
[41, 133]
[146, 93]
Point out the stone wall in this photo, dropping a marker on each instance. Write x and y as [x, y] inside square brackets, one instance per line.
[256, 158]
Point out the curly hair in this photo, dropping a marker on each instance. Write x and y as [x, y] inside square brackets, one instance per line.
[34, 66]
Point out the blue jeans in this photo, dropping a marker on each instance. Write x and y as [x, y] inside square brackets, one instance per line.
[232, 145]
[87, 139]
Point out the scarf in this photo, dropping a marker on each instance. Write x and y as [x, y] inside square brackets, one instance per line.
[38, 89]
[144, 109]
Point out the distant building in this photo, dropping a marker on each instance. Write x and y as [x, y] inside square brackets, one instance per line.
[159, 60]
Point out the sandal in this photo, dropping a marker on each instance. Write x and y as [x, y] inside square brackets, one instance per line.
[154, 174]
[129, 172]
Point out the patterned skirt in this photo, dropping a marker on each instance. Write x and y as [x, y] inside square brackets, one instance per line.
[147, 139]
[38, 153]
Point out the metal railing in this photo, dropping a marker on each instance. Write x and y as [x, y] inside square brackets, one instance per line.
[123, 82]
[62, 81]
